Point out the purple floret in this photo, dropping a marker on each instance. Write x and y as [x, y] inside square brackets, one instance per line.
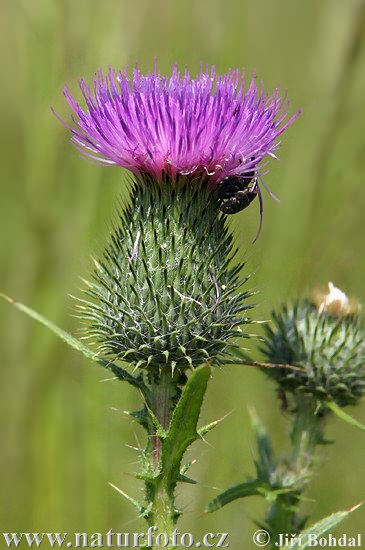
[207, 126]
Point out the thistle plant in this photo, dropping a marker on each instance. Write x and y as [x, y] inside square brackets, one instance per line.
[167, 296]
[324, 339]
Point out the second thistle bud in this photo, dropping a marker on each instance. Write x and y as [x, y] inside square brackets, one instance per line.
[326, 340]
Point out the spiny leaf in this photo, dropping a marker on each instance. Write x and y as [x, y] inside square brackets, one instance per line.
[182, 431]
[160, 432]
[321, 527]
[262, 440]
[140, 416]
[76, 344]
[205, 429]
[338, 411]
[185, 479]
[141, 509]
[247, 489]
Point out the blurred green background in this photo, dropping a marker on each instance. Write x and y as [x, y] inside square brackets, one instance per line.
[63, 434]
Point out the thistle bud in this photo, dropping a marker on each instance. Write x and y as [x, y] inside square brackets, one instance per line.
[326, 340]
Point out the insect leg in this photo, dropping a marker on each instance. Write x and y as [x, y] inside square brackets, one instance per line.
[261, 203]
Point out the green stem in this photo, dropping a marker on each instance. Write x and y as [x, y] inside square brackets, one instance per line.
[171, 419]
[282, 517]
[163, 391]
[164, 394]
[163, 513]
[306, 434]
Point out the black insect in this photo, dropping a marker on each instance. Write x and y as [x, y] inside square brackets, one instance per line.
[236, 193]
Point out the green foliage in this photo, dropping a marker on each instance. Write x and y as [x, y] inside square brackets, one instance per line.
[321, 527]
[329, 348]
[344, 415]
[182, 431]
[241, 490]
[276, 479]
[281, 480]
[76, 344]
[164, 295]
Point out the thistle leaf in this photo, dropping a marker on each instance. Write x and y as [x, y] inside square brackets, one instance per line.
[185, 479]
[247, 489]
[263, 440]
[160, 432]
[141, 509]
[76, 344]
[321, 527]
[182, 431]
[338, 411]
[205, 429]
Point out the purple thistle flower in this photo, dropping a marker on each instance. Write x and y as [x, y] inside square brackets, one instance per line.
[208, 126]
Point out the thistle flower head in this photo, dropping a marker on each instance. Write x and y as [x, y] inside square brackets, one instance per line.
[164, 292]
[207, 126]
[327, 343]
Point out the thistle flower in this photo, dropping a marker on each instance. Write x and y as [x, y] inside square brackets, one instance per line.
[164, 294]
[327, 341]
[208, 126]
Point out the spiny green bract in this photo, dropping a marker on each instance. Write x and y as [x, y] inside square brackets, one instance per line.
[164, 293]
[330, 349]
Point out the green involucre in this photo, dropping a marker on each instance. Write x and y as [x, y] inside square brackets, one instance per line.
[330, 349]
[164, 292]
